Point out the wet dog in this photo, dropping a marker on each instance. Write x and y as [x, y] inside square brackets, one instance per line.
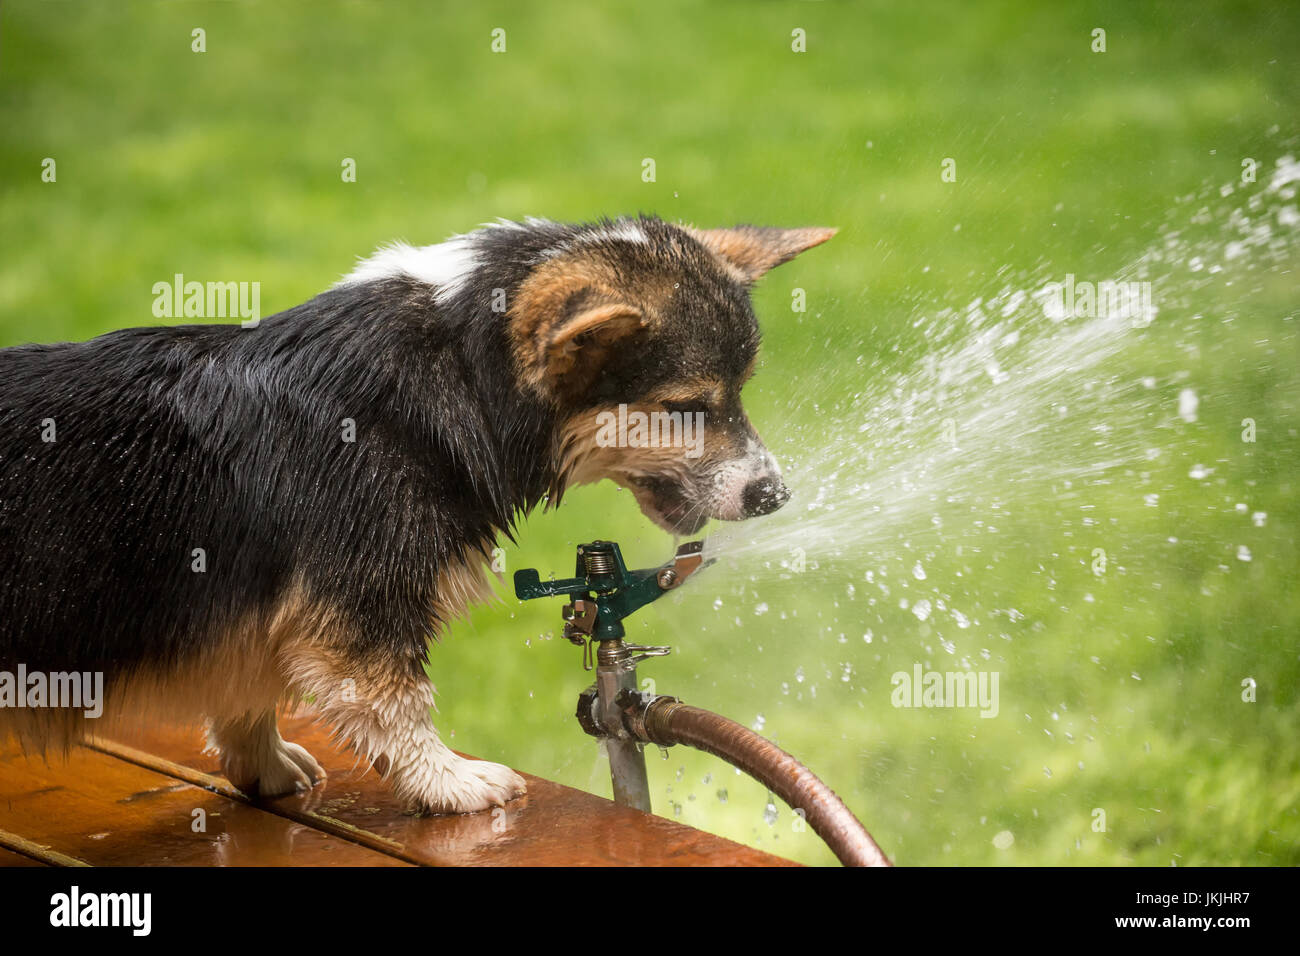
[219, 519]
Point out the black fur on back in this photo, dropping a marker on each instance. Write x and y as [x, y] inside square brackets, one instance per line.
[230, 440]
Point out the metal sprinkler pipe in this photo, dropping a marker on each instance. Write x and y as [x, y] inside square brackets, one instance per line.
[604, 592]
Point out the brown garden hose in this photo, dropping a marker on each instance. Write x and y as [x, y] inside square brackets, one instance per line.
[667, 721]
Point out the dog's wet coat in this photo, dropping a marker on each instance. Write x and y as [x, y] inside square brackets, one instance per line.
[201, 530]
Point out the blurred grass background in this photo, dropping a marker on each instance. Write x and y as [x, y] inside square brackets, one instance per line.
[226, 165]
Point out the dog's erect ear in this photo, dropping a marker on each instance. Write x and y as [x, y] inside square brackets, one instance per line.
[751, 251]
[565, 321]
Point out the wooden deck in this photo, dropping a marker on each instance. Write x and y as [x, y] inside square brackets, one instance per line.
[137, 802]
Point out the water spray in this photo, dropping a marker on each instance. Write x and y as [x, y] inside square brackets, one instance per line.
[603, 592]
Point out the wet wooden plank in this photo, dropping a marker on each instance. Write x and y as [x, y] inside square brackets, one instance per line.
[104, 811]
[9, 859]
[552, 825]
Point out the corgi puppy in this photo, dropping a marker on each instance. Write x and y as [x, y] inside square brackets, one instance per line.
[217, 520]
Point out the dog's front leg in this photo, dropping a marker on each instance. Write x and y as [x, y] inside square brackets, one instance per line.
[385, 715]
[257, 760]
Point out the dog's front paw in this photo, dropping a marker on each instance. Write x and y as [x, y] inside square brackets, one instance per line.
[458, 786]
[272, 771]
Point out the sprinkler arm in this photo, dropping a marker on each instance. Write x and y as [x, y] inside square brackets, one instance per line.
[605, 591]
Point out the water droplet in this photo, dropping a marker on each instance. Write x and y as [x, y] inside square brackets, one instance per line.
[1187, 405]
[1243, 553]
[1200, 471]
[1259, 517]
[761, 608]
[798, 675]
[759, 721]
[769, 812]
[921, 609]
[1004, 839]
[722, 795]
[918, 572]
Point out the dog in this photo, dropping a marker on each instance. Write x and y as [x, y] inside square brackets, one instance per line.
[219, 520]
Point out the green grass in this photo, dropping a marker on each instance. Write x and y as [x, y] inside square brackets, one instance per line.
[226, 165]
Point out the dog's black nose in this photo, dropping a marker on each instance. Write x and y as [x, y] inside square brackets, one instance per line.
[764, 496]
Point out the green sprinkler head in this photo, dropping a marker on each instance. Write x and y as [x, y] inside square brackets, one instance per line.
[604, 591]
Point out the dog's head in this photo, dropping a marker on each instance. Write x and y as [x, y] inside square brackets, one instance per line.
[641, 334]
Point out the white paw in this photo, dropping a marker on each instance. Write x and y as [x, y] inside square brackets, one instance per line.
[456, 785]
[272, 771]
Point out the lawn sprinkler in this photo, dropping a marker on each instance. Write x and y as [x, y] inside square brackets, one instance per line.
[602, 593]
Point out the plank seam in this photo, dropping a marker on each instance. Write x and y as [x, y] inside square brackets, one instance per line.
[37, 851]
[319, 821]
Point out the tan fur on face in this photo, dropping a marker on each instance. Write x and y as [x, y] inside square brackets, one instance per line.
[583, 460]
[704, 391]
[706, 486]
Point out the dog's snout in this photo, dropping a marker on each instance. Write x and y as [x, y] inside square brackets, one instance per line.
[763, 496]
